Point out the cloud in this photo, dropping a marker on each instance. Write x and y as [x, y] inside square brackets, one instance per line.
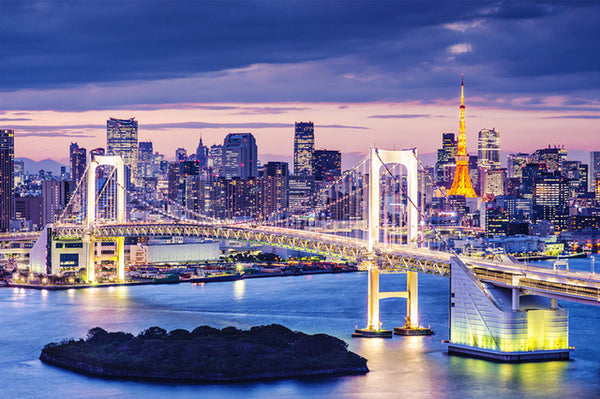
[77, 56]
[14, 119]
[572, 117]
[460, 48]
[400, 116]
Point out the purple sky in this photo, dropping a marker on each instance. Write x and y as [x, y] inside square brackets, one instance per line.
[383, 73]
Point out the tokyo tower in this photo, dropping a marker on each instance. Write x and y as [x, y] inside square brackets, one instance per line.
[462, 183]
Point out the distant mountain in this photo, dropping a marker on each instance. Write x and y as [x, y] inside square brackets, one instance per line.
[34, 167]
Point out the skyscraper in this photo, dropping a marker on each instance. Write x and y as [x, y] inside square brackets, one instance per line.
[145, 152]
[202, 154]
[327, 165]
[488, 155]
[274, 187]
[122, 139]
[462, 182]
[7, 190]
[239, 156]
[78, 162]
[304, 146]
[594, 171]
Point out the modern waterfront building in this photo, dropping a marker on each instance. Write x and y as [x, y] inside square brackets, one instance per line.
[488, 154]
[304, 146]
[7, 184]
[55, 197]
[240, 156]
[122, 139]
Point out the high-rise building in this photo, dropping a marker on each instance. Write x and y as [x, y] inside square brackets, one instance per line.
[78, 162]
[215, 159]
[122, 139]
[551, 157]
[516, 163]
[202, 154]
[304, 146]
[97, 152]
[493, 183]
[551, 199]
[594, 171]
[145, 154]
[55, 197]
[326, 165]
[462, 182]
[7, 184]
[19, 172]
[180, 154]
[275, 187]
[488, 155]
[240, 156]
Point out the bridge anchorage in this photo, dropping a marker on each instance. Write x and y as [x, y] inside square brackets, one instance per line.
[379, 159]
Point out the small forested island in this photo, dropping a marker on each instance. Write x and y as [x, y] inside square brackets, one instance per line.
[205, 354]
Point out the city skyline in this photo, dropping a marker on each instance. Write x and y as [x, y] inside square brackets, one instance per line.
[383, 74]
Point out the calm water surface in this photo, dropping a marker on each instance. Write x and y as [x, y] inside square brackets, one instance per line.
[413, 367]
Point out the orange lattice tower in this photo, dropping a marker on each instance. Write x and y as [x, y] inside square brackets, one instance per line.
[462, 182]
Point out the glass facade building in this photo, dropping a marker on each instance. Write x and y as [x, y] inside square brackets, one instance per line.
[304, 146]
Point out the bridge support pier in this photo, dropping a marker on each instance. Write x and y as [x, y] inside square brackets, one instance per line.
[90, 244]
[373, 329]
[412, 327]
[120, 259]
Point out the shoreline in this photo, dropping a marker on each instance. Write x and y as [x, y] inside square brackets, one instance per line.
[201, 280]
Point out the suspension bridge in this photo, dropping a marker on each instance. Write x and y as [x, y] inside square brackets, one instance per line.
[372, 215]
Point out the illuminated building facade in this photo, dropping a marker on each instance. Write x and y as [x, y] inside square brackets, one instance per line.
[304, 146]
[145, 152]
[122, 140]
[462, 182]
[78, 162]
[239, 156]
[326, 165]
[594, 173]
[551, 200]
[516, 163]
[501, 324]
[488, 154]
[7, 190]
[275, 187]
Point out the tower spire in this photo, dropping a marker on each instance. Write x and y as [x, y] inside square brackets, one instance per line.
[462, 182]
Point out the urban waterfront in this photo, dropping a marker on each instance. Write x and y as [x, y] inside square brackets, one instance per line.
[333, 304]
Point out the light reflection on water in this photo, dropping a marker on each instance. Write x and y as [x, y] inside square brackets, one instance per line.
[403, 366]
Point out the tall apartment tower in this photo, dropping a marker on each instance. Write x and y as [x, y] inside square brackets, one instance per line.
[240, 156]
[304, 146]
[7, 190]
[122, 139]
[488, 155]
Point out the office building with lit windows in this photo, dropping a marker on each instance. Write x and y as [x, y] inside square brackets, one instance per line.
[488, 154]
[7, 191]
[304, 146]
[122, 139]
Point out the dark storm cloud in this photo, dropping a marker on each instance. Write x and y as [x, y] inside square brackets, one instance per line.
[342, 51]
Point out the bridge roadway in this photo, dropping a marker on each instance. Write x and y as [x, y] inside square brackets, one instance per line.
[559, 284]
